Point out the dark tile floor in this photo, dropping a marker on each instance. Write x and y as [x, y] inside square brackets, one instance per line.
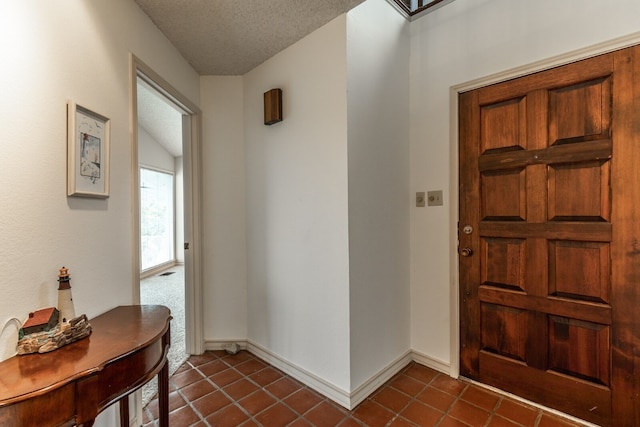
[217, 389]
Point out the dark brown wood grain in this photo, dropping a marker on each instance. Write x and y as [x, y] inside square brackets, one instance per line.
[72, 385]
[625, 250]
[550, 183]
[273, 106]
[569, 75]
[599, 149]
[584, 310]
[566, 230]
[588, 400]
[469, 191]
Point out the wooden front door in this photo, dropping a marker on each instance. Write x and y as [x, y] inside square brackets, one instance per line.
[549, 237]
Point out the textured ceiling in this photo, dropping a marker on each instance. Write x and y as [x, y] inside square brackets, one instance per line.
[228, 37]
[231, 37]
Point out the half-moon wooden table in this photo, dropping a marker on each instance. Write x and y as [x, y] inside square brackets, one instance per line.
[73, 384]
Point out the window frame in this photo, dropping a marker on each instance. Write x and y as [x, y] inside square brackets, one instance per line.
[172, 257]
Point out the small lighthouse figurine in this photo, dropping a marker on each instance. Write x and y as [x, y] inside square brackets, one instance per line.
[65, 300]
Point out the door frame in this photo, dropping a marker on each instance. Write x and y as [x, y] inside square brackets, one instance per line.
[192, 145]
[454, 210]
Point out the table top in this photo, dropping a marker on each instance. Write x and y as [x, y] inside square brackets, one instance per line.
[116, 334]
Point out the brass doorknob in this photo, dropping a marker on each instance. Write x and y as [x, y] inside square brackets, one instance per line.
[466, 251]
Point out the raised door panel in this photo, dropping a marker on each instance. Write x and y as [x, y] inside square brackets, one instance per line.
[503, 263]
[504, 195]
[503, 126]
[568, 340]
[580, 191]
[580, 111]
[580, 270]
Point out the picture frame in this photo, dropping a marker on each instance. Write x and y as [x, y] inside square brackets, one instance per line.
[88, 135]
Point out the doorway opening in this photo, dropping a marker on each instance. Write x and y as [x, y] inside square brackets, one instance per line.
[161, 212]
[166, 194]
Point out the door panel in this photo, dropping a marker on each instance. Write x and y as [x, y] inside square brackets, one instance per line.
[579, 270]
[591, 203]
[547, 293]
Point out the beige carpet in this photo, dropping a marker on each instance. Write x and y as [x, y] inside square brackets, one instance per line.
[167, 290]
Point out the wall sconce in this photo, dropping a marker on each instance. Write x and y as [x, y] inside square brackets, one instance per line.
[272, 106]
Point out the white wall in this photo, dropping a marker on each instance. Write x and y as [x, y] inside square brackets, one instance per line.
[379, 200]
[463, 41]
[327, 208]
[152, 154]
[53, 52]
[224, 221]
[297, 206]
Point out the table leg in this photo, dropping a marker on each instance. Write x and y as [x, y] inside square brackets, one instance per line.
[124, 411]
[163, 391]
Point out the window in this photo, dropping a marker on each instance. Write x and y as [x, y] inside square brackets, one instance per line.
[157, 231]
[413, 7]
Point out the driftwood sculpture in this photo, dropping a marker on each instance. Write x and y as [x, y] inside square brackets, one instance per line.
[61, 335]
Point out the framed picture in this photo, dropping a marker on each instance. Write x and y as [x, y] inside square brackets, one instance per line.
[87, 152]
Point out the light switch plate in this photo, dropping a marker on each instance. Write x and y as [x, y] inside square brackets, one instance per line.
[434, 198]
[420, 203]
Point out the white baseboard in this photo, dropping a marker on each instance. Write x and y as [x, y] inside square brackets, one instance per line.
[333, 392]
[158, 269]
[215, 345]
[323, 387]
[431, 362]
[384, 375]
[344, 398]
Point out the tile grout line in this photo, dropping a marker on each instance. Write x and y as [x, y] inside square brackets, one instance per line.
[247, 378]
[494, 415]
[347, 415]
[538, 418]
[260, 387]
[456, 400]
[233, 401]
[189, 402]
[414, 398]
[396, 414]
